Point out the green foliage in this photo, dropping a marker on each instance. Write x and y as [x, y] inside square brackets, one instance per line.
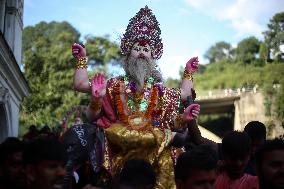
[263, 52]
[172, 83]
[101, 50]
[247, 50]
[219, 51]
[274, 36]
[49, 69]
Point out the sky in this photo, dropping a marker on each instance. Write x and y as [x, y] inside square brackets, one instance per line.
[189, 27]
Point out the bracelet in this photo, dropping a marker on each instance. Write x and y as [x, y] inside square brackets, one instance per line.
[82, 63]
[187, 75]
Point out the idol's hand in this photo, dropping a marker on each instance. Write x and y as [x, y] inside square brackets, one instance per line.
[191, 112]
[192, 65]
[78, 51]
[98, 85]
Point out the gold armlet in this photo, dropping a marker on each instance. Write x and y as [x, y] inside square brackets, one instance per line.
[82, 63]
[187, 75]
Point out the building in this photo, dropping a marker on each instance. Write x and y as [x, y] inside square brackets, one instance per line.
[13, 85]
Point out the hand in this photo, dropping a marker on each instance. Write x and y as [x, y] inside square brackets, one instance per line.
[98, 85]
[192, 65]
[78, 51]
[191, 112]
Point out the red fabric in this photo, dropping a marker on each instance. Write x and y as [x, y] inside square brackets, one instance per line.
[245, 182]
[109, 113]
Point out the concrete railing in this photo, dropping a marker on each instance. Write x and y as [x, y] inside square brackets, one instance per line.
[217, 93]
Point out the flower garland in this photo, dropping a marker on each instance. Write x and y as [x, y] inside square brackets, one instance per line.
[154, 95]
[119, 105]
[149, 107]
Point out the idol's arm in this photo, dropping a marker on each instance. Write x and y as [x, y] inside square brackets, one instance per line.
[81, 80]
[187, 80]
[185, 88]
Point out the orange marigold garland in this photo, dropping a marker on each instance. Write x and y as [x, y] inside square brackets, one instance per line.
[152, 104]
[119, 105]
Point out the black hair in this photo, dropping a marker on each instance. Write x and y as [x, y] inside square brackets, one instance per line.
[48, 148]
[256, 130]
[236, 144]
[200, 157]
[268, 146]
[137, 173]
[10, 146]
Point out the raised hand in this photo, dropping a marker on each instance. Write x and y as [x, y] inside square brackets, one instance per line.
[98, 85]
[191, 112]
[78, 51]
[192, 65]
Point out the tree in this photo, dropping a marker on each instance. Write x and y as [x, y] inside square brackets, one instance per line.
[49, 68]
[274, 36]
[218, 52]
[247, 50]
[263, 53]
[101, 50]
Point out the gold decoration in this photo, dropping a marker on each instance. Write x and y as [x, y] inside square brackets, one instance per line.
[82, 63]
[187, 75]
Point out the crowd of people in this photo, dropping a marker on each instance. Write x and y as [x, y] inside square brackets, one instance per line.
[244, 160]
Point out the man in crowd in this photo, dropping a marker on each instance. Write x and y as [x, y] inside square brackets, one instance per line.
[235, 148]
[196, 169]
[11, 164]
[45, 164]
[257, 133]
[270, 164]
[136, 174]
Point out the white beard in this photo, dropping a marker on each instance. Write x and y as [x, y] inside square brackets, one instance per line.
[139, 69]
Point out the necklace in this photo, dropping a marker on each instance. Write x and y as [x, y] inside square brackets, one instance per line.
[140, 106]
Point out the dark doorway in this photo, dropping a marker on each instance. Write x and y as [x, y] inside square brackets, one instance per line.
[3, 123]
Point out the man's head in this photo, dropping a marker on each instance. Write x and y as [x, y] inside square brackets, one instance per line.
[45, 161]
[11, 163]
[270, 164]
[195, 169]
[236, 152]
[136, 174]
[257, 133]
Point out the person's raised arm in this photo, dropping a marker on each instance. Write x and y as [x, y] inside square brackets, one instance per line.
[190, 115]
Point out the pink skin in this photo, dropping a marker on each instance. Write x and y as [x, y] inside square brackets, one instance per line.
[192, 65]
[78, 51]
[191, 112]
[98, 85]
[187, 85]
[140, 50]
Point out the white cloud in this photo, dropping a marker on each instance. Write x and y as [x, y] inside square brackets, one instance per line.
[170, 65]
[247, 17]
[246, 26]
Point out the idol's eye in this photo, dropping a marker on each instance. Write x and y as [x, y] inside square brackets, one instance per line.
[136, 49]
[146, 50]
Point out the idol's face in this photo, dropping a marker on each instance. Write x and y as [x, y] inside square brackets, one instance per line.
[141, 50]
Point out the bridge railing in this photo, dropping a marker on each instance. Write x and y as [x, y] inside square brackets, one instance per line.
[223, 93]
